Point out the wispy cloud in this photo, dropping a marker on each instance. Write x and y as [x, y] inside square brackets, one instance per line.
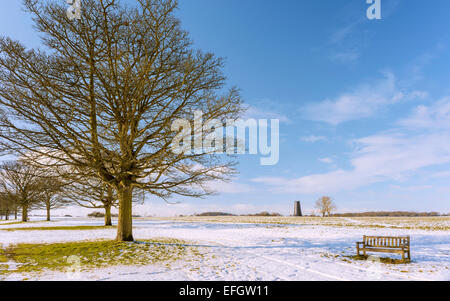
[361, 102]
[313, 138]
[265, 112]
[344, 32]
[326, 160]
[346, 56]
[392, 156]
[432, 117]
[421, 141]
[348, 41]
[345, 43]
[229, 187]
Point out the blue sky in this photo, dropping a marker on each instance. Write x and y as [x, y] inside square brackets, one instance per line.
[364, 105]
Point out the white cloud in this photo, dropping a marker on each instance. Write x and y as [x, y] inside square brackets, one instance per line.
[433, 117]
[346, 56]
[417, 94]
[440, 174]
[229, 187]
[378, 158]
[409, 152]
[265, 113]
[313, 138]
[326, 160]
[347, 42]
[413, 188]
[343, 33]
[361, 102]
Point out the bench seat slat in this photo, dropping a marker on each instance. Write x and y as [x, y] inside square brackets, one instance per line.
[382, 250]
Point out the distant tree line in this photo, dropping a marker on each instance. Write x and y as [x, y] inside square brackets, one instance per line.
[389, 214]
[98, 214]
[360, 214]
[214, 214]
[264, 213]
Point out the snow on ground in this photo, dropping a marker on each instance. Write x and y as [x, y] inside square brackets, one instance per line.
[238, 251]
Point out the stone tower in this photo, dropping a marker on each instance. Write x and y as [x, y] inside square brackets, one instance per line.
[297, 209]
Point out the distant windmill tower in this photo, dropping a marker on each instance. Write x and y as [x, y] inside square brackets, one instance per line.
[297, 209]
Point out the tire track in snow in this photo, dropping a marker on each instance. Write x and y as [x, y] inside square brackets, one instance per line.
[367, 269]
[249, 267]
[307, 269]
[334, 262]
[360, 268]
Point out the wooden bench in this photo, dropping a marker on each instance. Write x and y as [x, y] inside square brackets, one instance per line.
[386, 244]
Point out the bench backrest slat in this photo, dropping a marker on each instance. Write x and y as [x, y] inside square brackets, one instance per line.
[387, 241]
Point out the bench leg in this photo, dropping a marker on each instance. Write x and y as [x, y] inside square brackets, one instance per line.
[403, 255]
[357, 249]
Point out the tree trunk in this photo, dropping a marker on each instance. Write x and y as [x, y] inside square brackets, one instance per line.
[7, 215]
[24, 213]
[48, 212]
[15, 214]
[125, 223]
[108, 221]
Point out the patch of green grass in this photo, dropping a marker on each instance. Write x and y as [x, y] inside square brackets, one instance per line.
[94, 254]
[3, 258]
[60, 228]
[385, 260]
[13, 223]
[3, 269]
[23, 223]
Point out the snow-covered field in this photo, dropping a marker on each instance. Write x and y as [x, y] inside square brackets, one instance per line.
[243, 249]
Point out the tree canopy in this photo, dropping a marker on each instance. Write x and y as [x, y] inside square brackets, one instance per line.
[102, 94]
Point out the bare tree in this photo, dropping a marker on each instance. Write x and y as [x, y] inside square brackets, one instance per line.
[94, 194]
[103, 98]
[325, 206]
[51, 194]
[7, 204]
[20, 182]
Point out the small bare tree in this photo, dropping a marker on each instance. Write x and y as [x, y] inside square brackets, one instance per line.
[325, 206]
[104, 95]
[20, 182]
[93, 194]
[51, 195]
[7, 204]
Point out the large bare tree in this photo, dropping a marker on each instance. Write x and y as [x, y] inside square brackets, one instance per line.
[103, 95]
